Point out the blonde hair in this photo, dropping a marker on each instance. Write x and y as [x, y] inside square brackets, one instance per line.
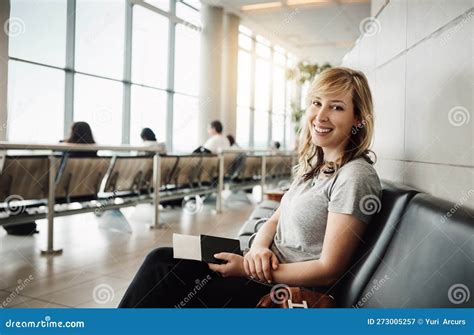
[336, 81]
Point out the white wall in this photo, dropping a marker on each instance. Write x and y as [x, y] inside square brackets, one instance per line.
[420, 67]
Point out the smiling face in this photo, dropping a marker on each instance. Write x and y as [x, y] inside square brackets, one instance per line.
[338, 99]
[330, 119]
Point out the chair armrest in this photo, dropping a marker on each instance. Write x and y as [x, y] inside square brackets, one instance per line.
[258, 224]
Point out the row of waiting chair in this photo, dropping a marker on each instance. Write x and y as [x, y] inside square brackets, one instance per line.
[85, 178]
[79, 178]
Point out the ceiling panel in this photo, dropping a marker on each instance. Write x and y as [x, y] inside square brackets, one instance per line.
[316, 32]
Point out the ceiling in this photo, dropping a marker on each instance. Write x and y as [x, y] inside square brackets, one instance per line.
[317, 32]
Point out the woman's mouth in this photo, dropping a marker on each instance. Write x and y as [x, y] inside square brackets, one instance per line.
[322, 131]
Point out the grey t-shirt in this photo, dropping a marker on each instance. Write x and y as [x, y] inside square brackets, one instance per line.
[355, 189]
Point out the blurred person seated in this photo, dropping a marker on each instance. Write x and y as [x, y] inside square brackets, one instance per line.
[149, 139]
[81, 133]
[232, 142]
[275, 146]
[217, 142]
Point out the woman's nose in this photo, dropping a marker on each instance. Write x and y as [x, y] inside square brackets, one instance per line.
[322, 114]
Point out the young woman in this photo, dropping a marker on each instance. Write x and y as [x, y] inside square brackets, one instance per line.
[310, 239]
[81, 133]
[149, 139]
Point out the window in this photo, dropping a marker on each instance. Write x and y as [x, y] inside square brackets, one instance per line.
[279, 59]
[289, 139]
[271, 99]
[304, 94]
[278, 104]
[99, 103]
[38, 31]
[245, 42]
[244, 30]
[35, 103]
[148, 110]
[100, 36]
[186, 70]
[263, 47]
[244, 79]
[161, 4]
[189, 11]
[243, 126]
[186, 80]
[290, 88]
[185, 127]
[98, 67]
[244, 87]
[149, 48]
[262, 99]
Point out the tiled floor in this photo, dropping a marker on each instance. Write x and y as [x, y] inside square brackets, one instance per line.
[98, 263]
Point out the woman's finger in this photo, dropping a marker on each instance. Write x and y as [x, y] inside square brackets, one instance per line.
[246, 267]
[225, 256]
[275, 262]
[267, 271]
[258, 270]
[253, 274]
[215, 267]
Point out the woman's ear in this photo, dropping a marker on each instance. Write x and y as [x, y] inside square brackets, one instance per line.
[358, 123]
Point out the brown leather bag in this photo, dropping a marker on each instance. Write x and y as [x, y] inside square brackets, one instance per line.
[282, 296]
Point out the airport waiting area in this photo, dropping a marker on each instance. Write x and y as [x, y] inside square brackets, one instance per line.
[236, 154]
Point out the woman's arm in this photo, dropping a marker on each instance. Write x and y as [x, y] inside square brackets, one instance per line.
[258, 262]
[343, 234]
[264, 237]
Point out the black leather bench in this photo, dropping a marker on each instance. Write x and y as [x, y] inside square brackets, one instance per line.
[413, 255]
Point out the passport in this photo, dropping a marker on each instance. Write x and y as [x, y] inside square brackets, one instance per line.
[203, 247]
[211, 245]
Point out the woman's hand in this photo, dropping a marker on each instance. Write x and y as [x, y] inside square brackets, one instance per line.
[259, 263]
[233, 268]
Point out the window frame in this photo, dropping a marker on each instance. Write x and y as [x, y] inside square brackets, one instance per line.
[70, 71]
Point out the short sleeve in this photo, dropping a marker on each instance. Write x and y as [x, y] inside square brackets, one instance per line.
[356, 191]
[211, 144]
